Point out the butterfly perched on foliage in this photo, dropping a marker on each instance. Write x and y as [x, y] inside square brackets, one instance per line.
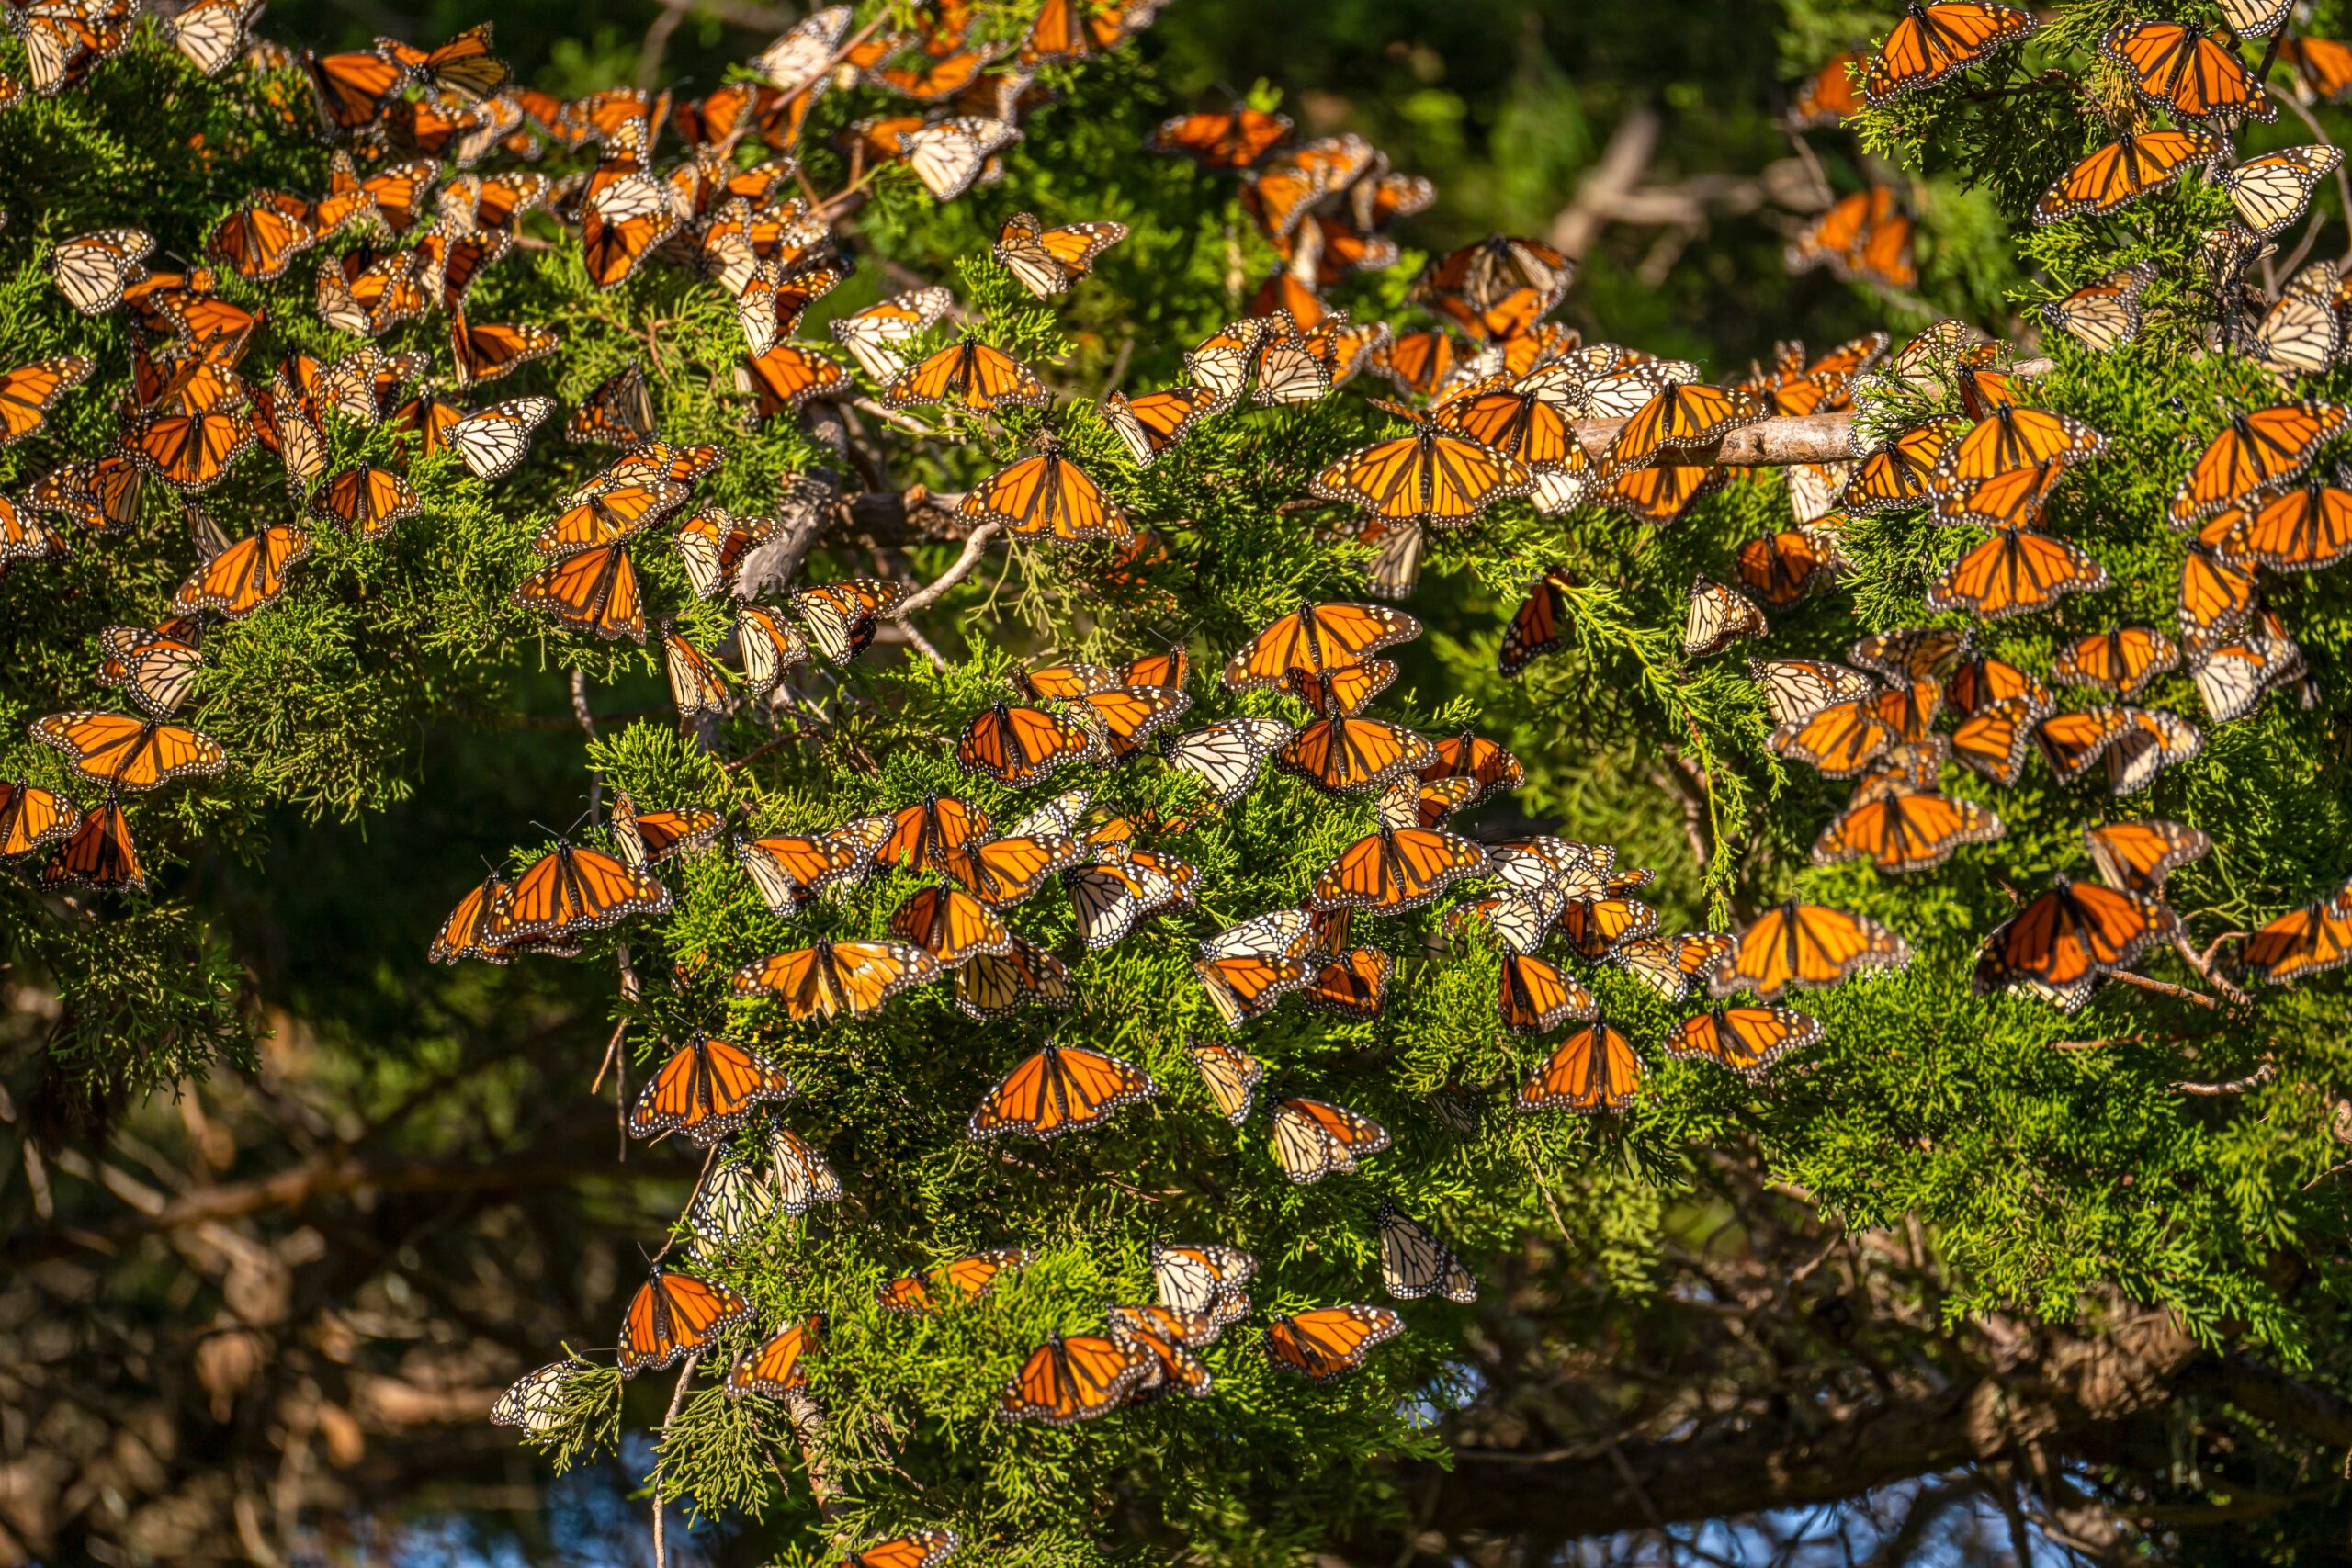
[675, 1314]
[1065, 1381]
[1326, 1343]
[1934, 41]
[1061, 1088]
[2059, 946]
[835, 977]
[1804, 945]
[1414, 1263]
[707, 1090]
[2126, 169]
[957, 1283]
[1432, 475]
[1047, 261]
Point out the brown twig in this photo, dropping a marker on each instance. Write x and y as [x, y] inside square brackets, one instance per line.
[2164, 987]
[2254, 1079]
[677, 1399]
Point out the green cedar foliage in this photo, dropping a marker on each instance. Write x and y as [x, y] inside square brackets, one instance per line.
[2046, 1174]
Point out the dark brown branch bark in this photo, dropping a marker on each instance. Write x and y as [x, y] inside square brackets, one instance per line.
[2047, 1389]
[327, 1176]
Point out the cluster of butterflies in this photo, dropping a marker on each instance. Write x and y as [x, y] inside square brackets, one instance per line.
[2196, 77]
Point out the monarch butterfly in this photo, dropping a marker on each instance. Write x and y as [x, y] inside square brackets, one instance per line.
[1222, 362]
[675, 1314]
[1807, 945]
[1234, 141]
[24, 537]
[1062, 1088]
[1830, 94]
[1746, 1040]
[102, 495]
[569, 890]
[1167, 1337]
[1782, 568]
[1429, 475]
[2255, 18]
[834, 977]
[1933, 41]
[2015, 573]
[1345, 690]
[1536, 997]
[1679, 418]
[1315, 638]
[2126, 169]
[2232, 677]
[951, 925]
[921, 835]
[1993, 740]
[1796, 689]
[156, 666]
[2059, 946]
[967, 1279]
[1414, 1263]
[2136, 857]
[2191, 73]
[1206, 1279]
[1232, 1075]
[707, 1090]
[1719, 616]
[126, 753]
[91, 269]
[1047, 261]
[2324, 65]
[245, 577]
[971, 375]
[1340, 754]
[1414, 804]
[998, 986]
[2104, 314]
[1394, 870]
[473, 202]
[788, 375]
[189, 451]
[617, 412]
[918, 1549]
[2011, 498]
[1285, 369]
[493, 349]
[2270, 192]
[1595, 925]
[33, 819]
[365, 500]
[648, 838]
[1008, 871]
[595, 590]
[2216, 596]
[1594, 1069]
[774, 299]
[774, 1366]
[260, 239]
[1248, 968]
[30, 391]
[841, 615]
[736, 1198]
[606, 514]
[535, 1402]
[2135, 744]
[1155, 422]
[2301, 530]
[875, 335]
[2011, 438]
[1477, 759]
[1899, 474]
[1314, 1138]
[1668, 965]
[99, 853]
[1065, 1381]
[1905, 830]
[2124, 662]
[1019, 747]
[1226, 755]
[2301, 942]
[1326, 1343]
[1046, 497]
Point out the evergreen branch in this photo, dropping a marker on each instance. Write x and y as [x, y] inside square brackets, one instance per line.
[2164, 987]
